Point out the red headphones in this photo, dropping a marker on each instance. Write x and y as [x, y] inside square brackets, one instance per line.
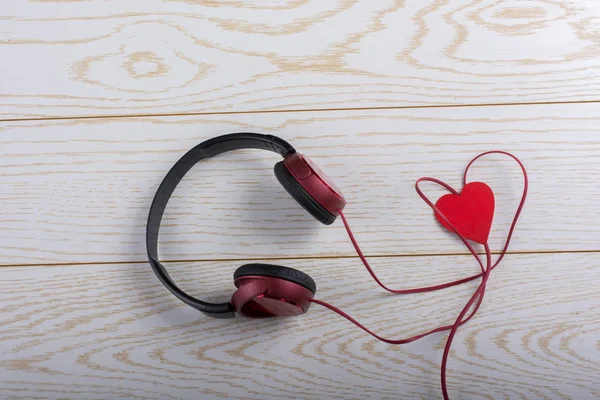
[275, 291]
[264, 290]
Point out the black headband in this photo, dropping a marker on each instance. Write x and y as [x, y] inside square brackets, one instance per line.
[207, 149]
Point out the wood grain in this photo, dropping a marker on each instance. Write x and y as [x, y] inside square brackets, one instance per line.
[79, 191]
[87, 318]
[112, 331]
[149, 56]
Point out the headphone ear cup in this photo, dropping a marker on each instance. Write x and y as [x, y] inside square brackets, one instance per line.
[298, 193]
[266, 290]
[279, 272]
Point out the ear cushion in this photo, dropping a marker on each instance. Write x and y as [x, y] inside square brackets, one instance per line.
[299, 194]
[277, 271]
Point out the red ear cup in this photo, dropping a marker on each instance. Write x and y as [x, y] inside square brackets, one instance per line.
[266, 290]
[310, 187]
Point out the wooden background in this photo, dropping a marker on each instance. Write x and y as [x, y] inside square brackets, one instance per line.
[100, 98]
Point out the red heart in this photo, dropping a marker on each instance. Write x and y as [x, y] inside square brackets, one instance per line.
[471, 212]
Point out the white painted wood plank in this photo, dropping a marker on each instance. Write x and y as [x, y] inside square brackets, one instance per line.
[150, 56]
[79, 191]
[112, 331]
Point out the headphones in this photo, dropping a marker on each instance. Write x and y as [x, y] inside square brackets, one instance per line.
[263, 290]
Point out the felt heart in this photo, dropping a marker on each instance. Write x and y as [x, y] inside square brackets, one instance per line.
[471, 212]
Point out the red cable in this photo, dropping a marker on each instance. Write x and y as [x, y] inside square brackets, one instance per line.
[485, 270]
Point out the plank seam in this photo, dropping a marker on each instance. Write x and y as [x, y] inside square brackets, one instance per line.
[68, 264]
[301, 110]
